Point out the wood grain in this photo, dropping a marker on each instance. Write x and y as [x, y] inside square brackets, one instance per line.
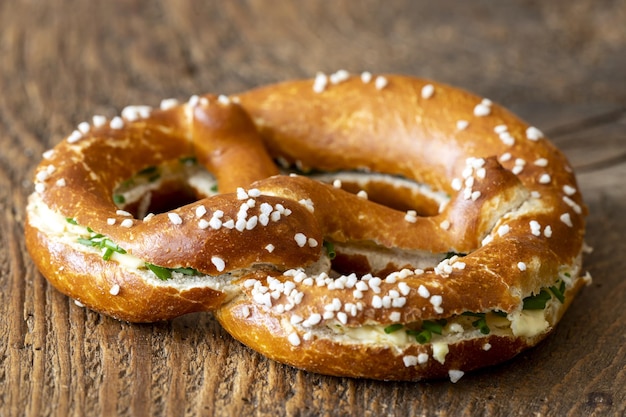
[558, 64]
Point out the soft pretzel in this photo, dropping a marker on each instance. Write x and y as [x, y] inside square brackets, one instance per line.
[383, 227]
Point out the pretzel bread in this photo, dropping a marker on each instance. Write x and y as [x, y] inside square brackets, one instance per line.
[382, 227]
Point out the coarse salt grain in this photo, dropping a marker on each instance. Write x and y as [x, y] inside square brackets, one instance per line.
[455, 375]
[224, 100]
[218, 263]
[505, 157]
[126, 223]
[567, 219]
[116, 123]
[98, 120]
[535, 228]
[200, 211]
[427, 91]
[74, 137]
[544, 179]
[115, 290]
[339, 76]
[84, 127]
[503, 230]
[380, 82]
[462, 124]
[294, 339]
[569, 190]
[321, 80]
[168, 103]
[547, 231]
[423, 291]
[300, 239]
[534, 134]
[409, 360]
[482, 110]
[175, 218]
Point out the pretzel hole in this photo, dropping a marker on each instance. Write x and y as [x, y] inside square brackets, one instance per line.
[368, 258]
[394, 192]
[158, 189]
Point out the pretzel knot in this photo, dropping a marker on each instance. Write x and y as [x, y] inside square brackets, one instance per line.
[381, 227]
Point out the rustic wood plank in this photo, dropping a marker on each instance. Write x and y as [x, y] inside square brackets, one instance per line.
[64, 61]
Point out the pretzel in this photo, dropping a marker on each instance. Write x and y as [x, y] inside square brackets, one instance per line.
[382, 227]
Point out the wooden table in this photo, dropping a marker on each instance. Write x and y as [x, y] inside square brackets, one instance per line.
[559, 64]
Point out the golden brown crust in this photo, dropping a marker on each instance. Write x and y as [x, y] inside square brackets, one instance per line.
[498, 195]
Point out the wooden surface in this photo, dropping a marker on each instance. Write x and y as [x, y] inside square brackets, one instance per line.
[559, 64]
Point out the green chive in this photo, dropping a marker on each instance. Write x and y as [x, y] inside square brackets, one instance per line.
[85, 242]
[186, 271]
[432, 326]
[538, 301]
[107, 254]
[113, 246]
[330, 249]
[481, 324]
[71, 220]
[119, 199]
[393, 328]
[558, 293]
[98, 240]
[421, 336]
[159, 271]
[214, 188]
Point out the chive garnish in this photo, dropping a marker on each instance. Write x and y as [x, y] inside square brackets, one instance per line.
[481, 324]
[214, 188]
[107, 254]
[421, 336]
[71, 221]
[538, 301]
[558, 292]
[164, 273]
[186, 271]
[159, 271]
[100, 241]
[393, 328]
[118, 199]
[330, 249]
[432, 326]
